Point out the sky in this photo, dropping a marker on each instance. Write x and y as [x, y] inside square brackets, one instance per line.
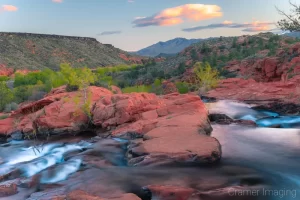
[134, 24]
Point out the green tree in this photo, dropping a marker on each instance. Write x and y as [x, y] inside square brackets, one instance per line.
[80, 78]
[6, 95]
[194, 54]
[207, 76]
[234, 43]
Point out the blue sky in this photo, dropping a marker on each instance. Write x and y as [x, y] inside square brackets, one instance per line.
[114, 18]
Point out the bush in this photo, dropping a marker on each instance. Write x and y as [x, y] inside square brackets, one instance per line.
[138, 88]
[71, 88]
[207, 76]
[156, 87]
[182, 87]
[6, 95]
[4, 78]
[3, 117]
[11, 107]
[37, 95]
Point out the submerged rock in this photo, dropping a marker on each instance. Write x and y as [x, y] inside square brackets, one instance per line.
[8, 188]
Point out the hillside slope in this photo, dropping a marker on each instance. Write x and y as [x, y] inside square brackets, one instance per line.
[220, 53]
[169, 47]
[37, 51]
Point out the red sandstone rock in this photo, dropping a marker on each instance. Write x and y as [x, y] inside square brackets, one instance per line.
[170, 192]
[4, 71]
[270, 67]
[116, 90]
[58, 90]
[169, 87]
[241, 89]
[119, 109]
[82, 195]
[8, 188]
[176, 125]
[6, 126]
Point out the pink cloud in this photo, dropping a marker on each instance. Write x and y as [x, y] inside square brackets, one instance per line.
[9, 8]
[255, 26]
[179, 14]
[226, 22]
[57, 1]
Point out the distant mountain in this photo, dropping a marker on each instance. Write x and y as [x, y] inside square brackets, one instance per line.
[173, 46]
[37, 51]
[293, 34]
[166, 55]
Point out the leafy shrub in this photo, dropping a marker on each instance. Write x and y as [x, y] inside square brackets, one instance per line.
[80, 78]
[4, 78]
[11, 107]
[156, 87]
[207, 76]
[37, 95]
[71, 88]
[6, 95]
[3, 117]
[138, 88]
[182, 87]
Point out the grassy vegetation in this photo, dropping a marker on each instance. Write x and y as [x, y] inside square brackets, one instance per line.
[138, 88]
[3, 117]
[38, 51]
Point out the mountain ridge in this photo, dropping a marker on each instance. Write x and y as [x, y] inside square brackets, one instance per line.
[34, 51]
[172, 46]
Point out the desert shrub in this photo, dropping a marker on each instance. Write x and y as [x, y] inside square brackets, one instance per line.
[138, 88]
[3, 117]
[156, 87]
[37, 95]
[182, 87]
[80, 78]
[4, 78]
[207, 76]
[192, 88]
[6, 95]
[71, 88]
[11, 107]
[194, 54]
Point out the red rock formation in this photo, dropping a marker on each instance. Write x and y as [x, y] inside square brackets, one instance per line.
[115, 90]
[169, 87]
[241, 89]
[269, 69]
[170, 192]
[4, 71]
[168, 122]
[131, 59]
[56, 113]
[82, 195]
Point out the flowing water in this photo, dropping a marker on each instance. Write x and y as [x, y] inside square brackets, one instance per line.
[254, 155]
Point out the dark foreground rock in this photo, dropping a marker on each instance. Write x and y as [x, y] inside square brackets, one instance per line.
[281, 108]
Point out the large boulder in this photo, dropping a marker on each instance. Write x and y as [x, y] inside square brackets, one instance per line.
[175, 125]
[6, 126]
